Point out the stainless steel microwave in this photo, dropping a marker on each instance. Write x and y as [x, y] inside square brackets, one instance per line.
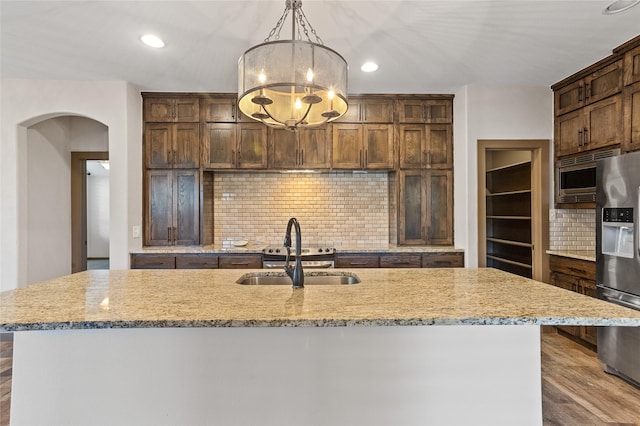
[576, 177]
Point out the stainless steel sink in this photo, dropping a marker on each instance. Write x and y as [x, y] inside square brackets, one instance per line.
[310, 278]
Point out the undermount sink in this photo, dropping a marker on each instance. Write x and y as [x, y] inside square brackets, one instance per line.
[310, 278]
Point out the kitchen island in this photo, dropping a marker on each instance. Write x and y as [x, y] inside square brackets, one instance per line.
[405, 346]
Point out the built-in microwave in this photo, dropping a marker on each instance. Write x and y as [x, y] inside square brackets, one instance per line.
[576, 177]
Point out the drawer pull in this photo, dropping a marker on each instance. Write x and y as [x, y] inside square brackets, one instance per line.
[240, 263]
[576, 270]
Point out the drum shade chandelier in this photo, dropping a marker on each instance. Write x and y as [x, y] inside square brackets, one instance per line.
[292, 83]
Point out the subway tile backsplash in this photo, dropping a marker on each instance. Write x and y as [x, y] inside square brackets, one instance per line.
[572, 229]
[340, 209]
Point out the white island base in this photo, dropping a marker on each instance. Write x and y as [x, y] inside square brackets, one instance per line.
[395, 375]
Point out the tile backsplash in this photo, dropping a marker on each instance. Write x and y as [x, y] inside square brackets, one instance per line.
[572, 229]
[340, 209]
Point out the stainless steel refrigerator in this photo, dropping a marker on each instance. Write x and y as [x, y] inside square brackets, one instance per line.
[618, 259]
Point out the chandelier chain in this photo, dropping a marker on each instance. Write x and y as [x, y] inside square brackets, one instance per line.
[275, 31]
[302, 19]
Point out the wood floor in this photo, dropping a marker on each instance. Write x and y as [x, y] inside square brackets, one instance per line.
[575, 390]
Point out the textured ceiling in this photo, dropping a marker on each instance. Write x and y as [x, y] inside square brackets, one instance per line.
[421, 46]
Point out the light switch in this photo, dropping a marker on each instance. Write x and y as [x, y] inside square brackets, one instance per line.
[136, 231]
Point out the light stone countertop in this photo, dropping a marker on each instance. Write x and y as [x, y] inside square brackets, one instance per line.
[385, 297]
[588, 255]
[253, 249]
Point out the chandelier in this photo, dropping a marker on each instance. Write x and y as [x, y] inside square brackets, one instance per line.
[292, 83]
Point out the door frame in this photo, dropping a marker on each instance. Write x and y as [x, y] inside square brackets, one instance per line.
[540, 190]
[79, 206]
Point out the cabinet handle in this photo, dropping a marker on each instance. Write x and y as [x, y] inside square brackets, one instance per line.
[360, 158]
[169, 234]
[579, 137]
[366, 158]
[297, 157]
[175, 234]
[233, 112]
[240, 263]
[357, 263]
[301, 156]
[584, 137]
[576, 270]
[580, 93]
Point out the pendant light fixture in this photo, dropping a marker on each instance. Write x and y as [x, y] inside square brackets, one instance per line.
[292, 83]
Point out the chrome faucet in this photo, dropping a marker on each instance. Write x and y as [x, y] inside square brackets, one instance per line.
[296, 274]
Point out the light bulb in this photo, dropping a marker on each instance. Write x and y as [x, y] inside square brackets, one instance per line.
[309, 75]
[298, 103]
[262, 77]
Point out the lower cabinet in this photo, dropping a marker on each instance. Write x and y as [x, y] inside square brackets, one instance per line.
[153, 261]
[400, 260]
[578, 276]
[357, 261]
[443, 260]
[240, 261]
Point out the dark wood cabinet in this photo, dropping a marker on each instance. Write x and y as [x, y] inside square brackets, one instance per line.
[357, 261]
[178, 109]
[401, 260]
[218, 109]
[433, 111]
[172, 207]
[443, 260]
[153, 261]
[578, 276]
[363, 146]
[197, 261]
[631, 116]
[169, 145]
[240, 261]
[304, 149]
[425, 146]
[368, 109]
[439, 198]
[632, 66]
[231, 146]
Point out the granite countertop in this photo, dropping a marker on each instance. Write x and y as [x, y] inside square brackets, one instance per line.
[385, 297]
[588, 255]
[253, 248]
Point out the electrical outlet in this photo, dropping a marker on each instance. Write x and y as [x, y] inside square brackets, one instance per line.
[136, 231]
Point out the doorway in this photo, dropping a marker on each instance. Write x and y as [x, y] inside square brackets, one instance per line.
[87, 215]
[513, 206]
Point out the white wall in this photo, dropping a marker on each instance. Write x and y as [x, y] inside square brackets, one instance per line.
[491, 112]
[97, 216]
[25, 103]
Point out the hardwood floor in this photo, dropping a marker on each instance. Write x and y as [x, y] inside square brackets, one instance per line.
[575, 390]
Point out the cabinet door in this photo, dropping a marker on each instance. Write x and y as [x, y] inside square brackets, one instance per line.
[377, 111]
[401, 260]
[412, 140]
[283, 149]
[569, 133]
[219, 144]
[569, 98]
[412, 208]
[378, 146]
[250, 261]
[218, 109]
[159, 110]
[356, 261]
[353, 112]
[603, 123]
[186, 207]
[315, 148]
[603, 83]
[632, 66]
[439, 146]
[438, 111]
[252, 146]
[411, 111]
[631, 116]
[443, 260]
[568, 283]
[186, 145]
[347, 146]
[158, 208]
[439, 207]
[153, 261]
[197, 261]
[187, 110]
[158, 140]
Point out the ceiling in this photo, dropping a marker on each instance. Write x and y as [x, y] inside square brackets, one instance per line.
[421, 46]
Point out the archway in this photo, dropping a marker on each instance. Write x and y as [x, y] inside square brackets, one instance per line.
[47, 191]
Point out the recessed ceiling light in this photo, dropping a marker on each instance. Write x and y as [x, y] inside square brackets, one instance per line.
[372, 66]
[151, 40]
[619, 6]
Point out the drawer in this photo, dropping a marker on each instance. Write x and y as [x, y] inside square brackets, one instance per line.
[443, 260]
[240, 261]
[197, 261]
[400, 261]
[575, 267]
[356, 261]
[153, 261]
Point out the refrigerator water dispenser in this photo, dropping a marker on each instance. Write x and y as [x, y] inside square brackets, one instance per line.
[617, 232]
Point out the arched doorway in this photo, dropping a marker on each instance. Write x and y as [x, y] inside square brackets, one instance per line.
[48, 222]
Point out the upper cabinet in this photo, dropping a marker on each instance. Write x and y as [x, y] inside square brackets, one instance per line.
[425, 146]
[369, 109]
[363, 146]
[417, 110]
[597, 85]
[172, 109]
[218, 109]
[304, 149]
[631, 117]
[174, 145]
[230, 146]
